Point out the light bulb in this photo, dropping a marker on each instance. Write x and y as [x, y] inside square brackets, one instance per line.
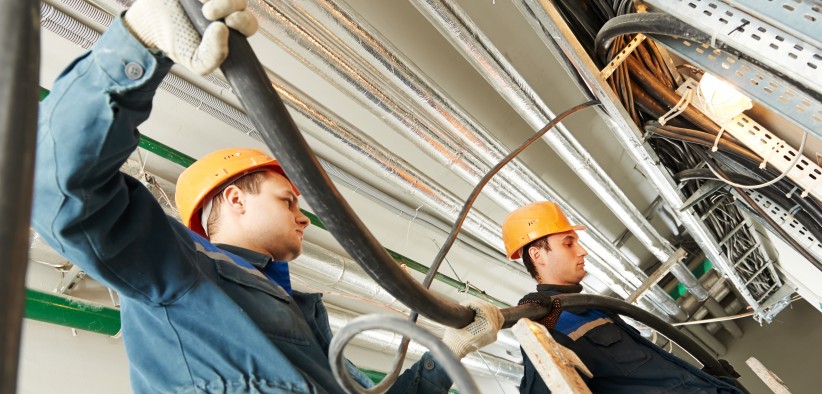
[722, 101]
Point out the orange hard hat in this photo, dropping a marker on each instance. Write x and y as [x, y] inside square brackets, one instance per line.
[531, 222]
[203, 179]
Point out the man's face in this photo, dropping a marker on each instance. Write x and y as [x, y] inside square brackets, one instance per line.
[564, 264]
[274, 220]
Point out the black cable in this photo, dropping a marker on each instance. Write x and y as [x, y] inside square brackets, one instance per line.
[665, 24]
[782, 233]
[804, 216]
[271, 118]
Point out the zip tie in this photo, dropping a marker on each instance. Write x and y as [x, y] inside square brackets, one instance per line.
[679, 108]
[791, 212]
[790, 193]
[718, 136]
[768, 156]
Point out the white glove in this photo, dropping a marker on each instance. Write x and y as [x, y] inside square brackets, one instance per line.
[163, 24]
[481, 332]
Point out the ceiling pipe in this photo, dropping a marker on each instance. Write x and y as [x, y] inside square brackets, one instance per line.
[540, 15]
[316, 53]
[471, 42]
[211, 104]
[19, 73]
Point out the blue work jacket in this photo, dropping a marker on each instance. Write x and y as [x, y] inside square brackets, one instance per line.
[621, 360]
[195, 318]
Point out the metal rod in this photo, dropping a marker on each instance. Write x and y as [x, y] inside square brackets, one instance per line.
[19, 73]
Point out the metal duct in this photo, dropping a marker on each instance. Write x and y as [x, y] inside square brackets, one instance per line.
[317, 54]
[540, 15]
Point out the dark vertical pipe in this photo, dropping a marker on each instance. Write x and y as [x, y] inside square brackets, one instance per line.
[19, 73]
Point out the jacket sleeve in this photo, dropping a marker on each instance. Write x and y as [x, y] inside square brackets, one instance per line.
[98, 218]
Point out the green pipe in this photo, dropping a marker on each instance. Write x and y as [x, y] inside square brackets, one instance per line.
[184, 160]
[72, 312]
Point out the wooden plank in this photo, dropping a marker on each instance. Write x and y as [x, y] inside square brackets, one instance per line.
[556, 364]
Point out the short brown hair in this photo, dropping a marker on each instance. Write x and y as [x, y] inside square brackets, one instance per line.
[526, 257]
[249, 183]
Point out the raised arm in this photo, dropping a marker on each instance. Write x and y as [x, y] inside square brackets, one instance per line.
[100, 219]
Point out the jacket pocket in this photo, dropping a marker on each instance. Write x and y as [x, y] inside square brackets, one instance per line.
[267, 304]
[625, 354]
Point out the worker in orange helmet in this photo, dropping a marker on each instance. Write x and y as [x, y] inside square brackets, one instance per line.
[207, 305]
[620, 359]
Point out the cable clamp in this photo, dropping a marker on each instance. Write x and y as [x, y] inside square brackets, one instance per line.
[791, 212]
[679, 108]
[467, 287]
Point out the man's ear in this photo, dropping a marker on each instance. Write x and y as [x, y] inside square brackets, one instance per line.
[234, 198]
[535, 252]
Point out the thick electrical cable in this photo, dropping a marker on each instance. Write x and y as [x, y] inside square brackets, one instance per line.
[455, 229]
[279, 132]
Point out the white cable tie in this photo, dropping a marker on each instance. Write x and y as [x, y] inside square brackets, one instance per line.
[791, 212]
[713, 38]
[679, 108]
[790, 193]
[718, 136]
[767, 157]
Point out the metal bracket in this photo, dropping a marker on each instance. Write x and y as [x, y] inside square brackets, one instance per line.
[708, 188]
[70, 279]
[554, 363]
[621, 56]
[678, 256]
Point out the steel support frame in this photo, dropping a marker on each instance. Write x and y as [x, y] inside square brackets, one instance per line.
[547, 22]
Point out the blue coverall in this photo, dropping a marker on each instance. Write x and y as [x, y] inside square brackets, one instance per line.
[195, 318]
[621, 360]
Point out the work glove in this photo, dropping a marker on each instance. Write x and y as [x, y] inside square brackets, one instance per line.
[163, 24]
[481, 332]
[552, 304]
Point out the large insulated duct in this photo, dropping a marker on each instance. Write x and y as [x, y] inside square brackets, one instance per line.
[475, 47]
[19, 73]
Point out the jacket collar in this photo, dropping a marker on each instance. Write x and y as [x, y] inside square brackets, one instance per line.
[559, 288]
[258, 260]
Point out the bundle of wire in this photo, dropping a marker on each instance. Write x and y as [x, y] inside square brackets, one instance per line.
[646, 87]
